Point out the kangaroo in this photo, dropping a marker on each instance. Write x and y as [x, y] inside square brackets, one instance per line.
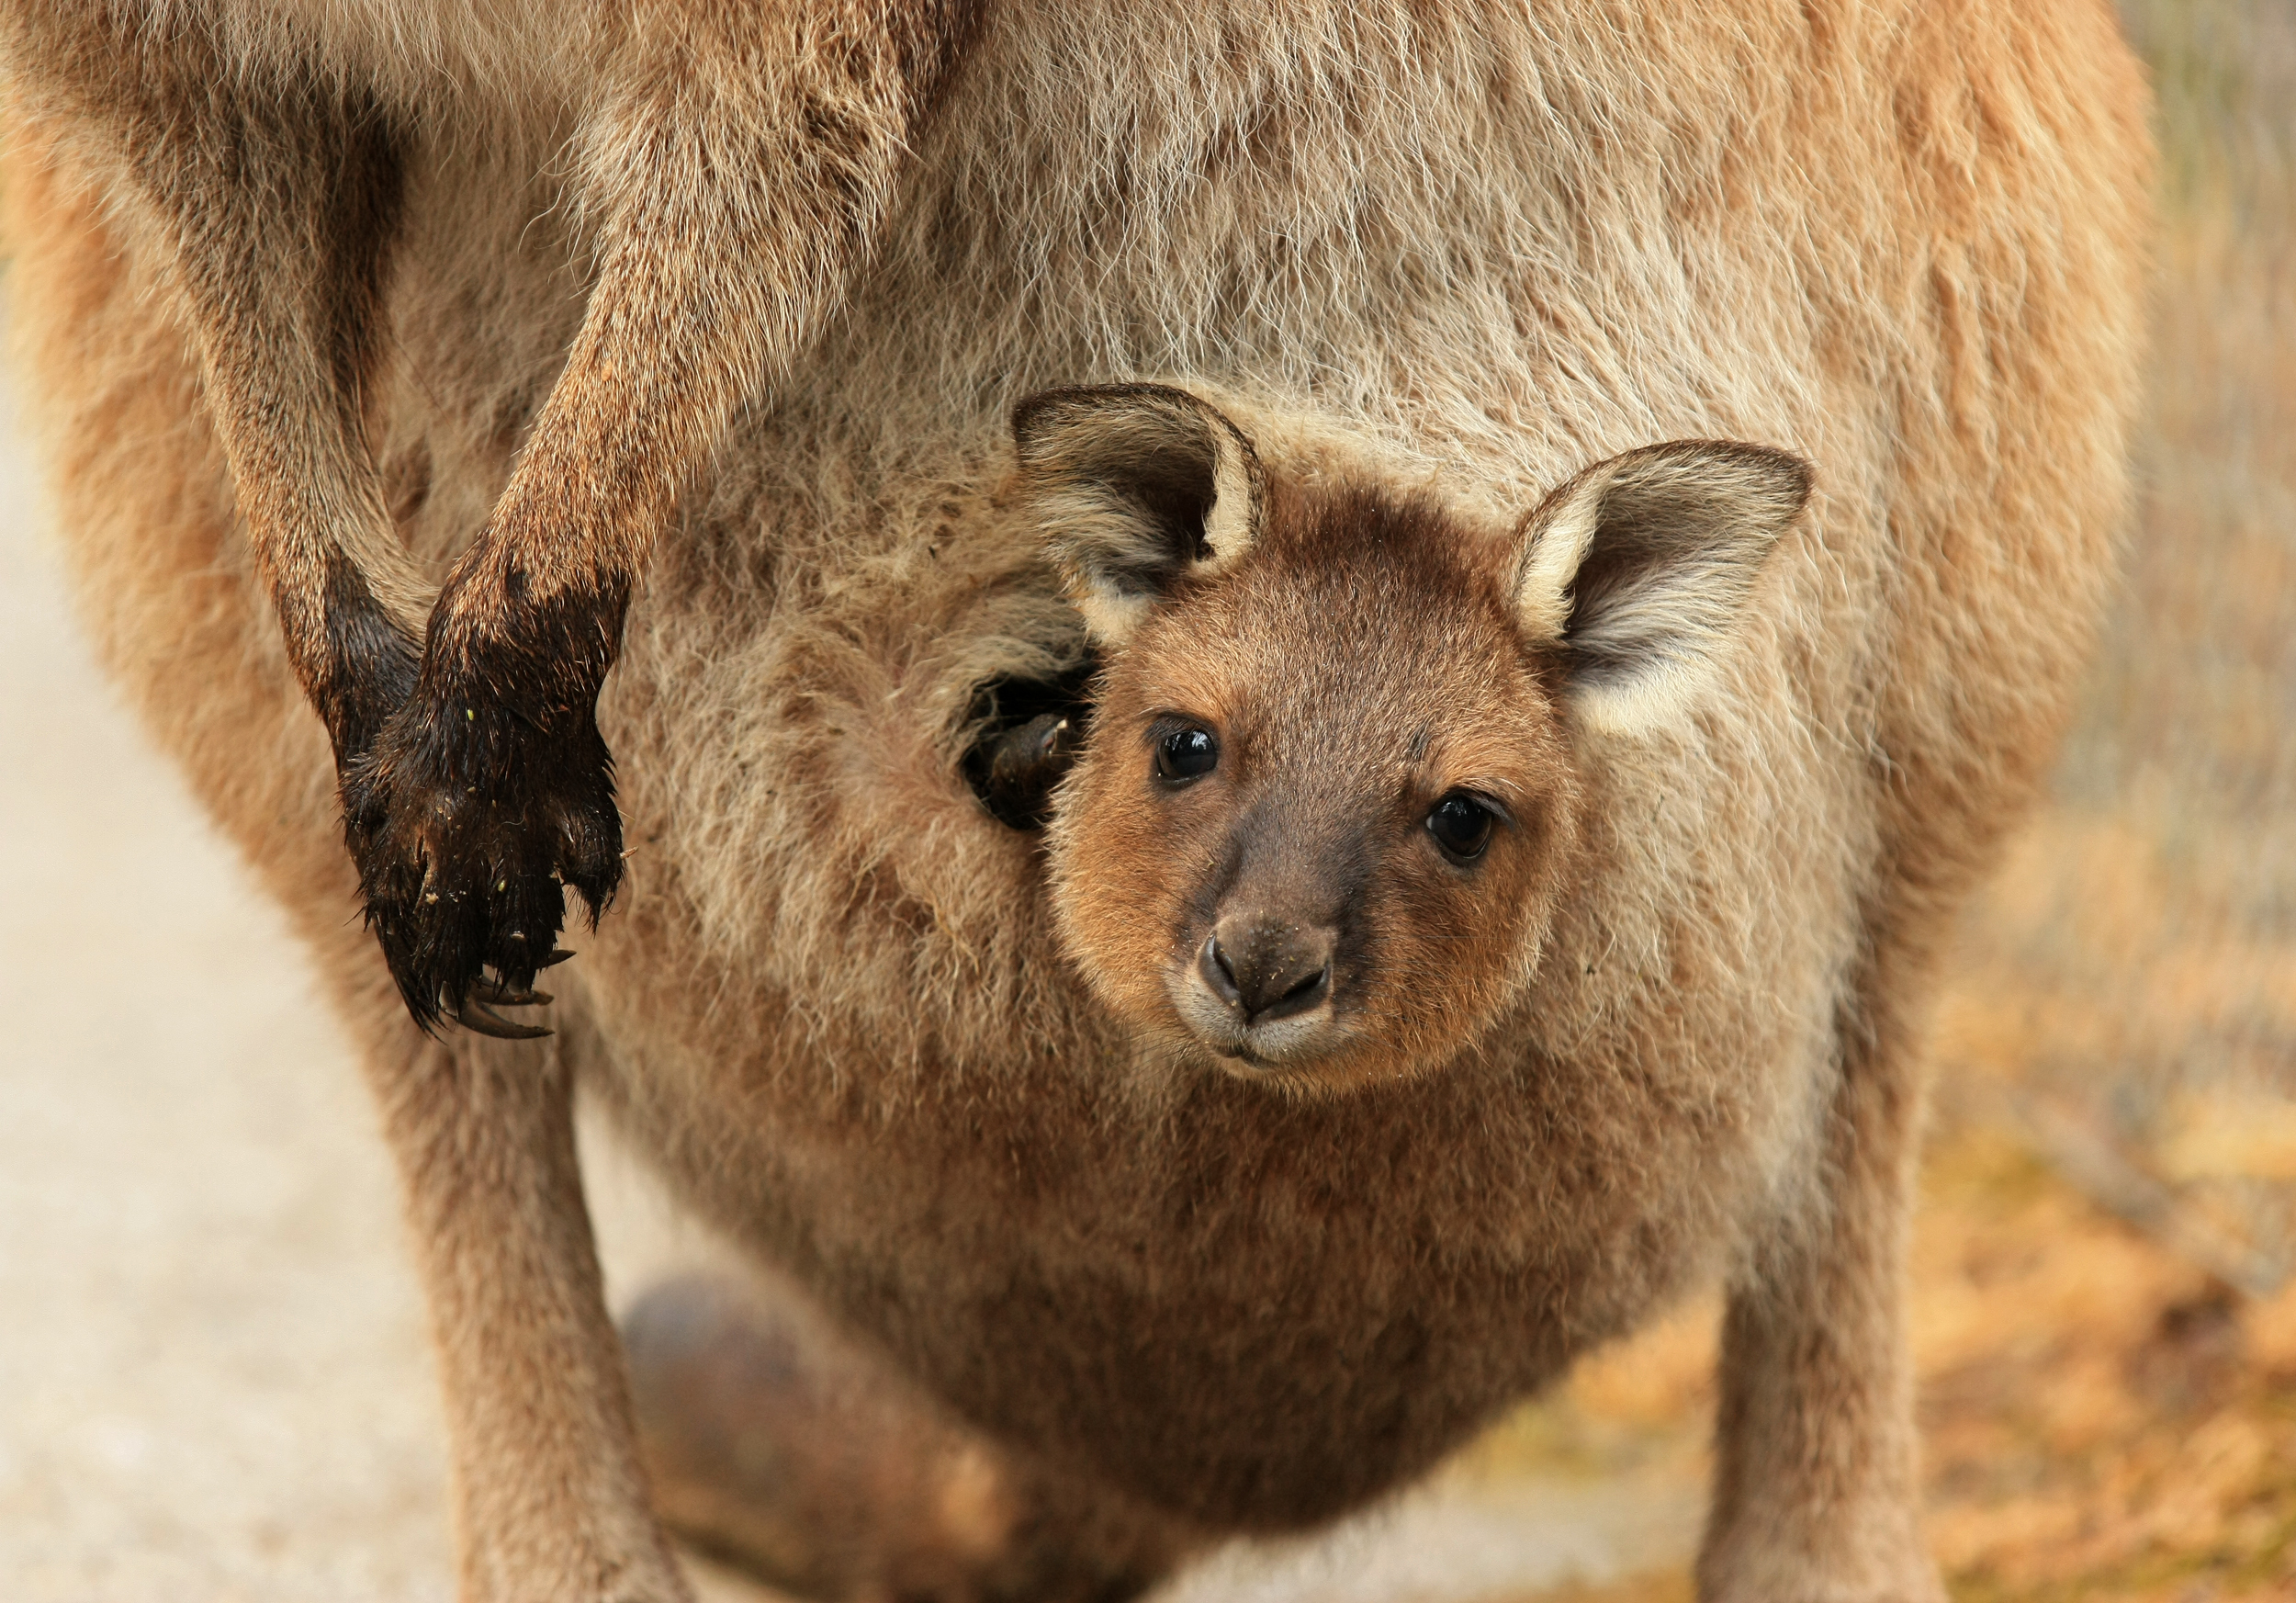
[1074, 452]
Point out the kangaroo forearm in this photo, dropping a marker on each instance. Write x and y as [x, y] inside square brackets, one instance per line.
[346, 595]
[731, 167]
[737, 187]
[272, 211]
[266, 206]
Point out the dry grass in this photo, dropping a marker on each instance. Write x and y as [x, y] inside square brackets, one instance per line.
[2140, 948]
[2102, 1419]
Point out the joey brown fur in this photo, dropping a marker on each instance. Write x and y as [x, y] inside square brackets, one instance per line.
[1331, 798]
[1595, 508]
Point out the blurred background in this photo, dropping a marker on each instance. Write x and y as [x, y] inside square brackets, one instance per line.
[213, 1381]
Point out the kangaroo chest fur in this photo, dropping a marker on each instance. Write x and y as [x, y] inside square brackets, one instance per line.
[830, 1000]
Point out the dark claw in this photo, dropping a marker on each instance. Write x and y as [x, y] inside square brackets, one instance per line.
[497, 994]
[1030, 734]
[557, 954]
[474, 1015]
[1014, 774]
[468, 823]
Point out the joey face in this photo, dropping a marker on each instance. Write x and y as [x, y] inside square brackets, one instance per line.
[1322, 806]
[1332, 790]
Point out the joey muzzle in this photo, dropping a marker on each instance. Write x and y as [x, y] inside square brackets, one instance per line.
[1268, 971]
[1260, 988]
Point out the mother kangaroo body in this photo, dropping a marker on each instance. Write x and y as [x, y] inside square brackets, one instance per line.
[1464, 249]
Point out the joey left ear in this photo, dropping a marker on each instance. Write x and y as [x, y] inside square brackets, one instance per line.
[1134, 487]
[1639, 568]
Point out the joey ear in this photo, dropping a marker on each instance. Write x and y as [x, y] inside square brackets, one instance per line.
[1640, 566]
[1133, 487]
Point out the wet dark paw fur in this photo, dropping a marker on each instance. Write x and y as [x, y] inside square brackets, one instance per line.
[467, 822]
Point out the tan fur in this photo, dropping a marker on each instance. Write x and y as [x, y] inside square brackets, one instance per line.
[731, 171]
[1454, 248]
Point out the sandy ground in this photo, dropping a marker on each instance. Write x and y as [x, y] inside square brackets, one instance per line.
[214, 1380]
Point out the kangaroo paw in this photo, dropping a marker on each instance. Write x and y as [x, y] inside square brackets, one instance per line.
[468, 822]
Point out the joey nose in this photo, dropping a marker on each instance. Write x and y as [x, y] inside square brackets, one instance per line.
[1268, 971]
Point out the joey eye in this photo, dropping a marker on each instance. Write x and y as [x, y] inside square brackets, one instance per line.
[1186, 755]
[1461, 826]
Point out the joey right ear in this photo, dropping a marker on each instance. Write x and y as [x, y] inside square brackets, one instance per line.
[1133, 487]
[1640, 569]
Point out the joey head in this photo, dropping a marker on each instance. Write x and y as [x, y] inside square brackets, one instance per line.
[1335, 782]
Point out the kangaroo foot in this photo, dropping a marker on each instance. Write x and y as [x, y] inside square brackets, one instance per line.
[1028, 735]
[776, 1449]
